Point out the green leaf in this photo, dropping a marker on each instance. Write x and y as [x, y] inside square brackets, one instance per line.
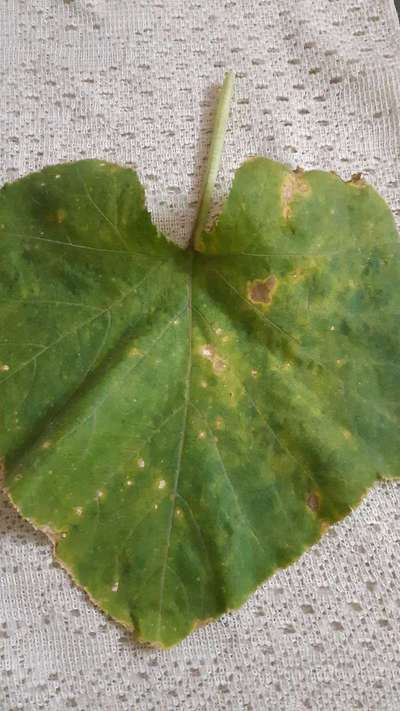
[184, 423]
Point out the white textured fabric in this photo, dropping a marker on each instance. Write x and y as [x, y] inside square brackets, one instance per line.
[133, 81]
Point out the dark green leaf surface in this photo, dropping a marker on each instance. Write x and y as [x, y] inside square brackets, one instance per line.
[184, 423]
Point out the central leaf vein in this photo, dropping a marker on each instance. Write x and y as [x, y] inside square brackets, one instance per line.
[181, 445]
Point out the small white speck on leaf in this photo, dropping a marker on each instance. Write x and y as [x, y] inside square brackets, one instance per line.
[99, 494]
[332, 328]
[176, 322]
[140, 463]
[346, 434]
[178, 512]
[207, 351]
[156, 506]
[129, 482]
[46, 444]
[78, 510]
[4, 367]
[254, 372]
[162, 484]
[201, 435]
[115, 587]
[218, 331]
[58, 176]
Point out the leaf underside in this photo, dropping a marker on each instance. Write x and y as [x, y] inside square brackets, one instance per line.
[183, 423]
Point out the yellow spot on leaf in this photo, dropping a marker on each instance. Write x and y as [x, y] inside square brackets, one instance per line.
[293, 184]
[61, 215]
[46, 444]
[78, 510]
[201, 435]
[346, 434]
[133, 352]
[140, 463]
[115, 587]
[219, 423]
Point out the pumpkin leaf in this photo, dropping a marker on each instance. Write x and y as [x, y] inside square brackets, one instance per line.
[183, 423]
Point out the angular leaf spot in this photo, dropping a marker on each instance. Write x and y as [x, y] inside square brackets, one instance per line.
[225, 422]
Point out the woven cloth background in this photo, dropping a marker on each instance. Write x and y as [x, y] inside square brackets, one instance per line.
[133, 81]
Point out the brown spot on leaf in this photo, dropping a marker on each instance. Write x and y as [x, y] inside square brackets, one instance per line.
[57, 217]
[313, 502]
[294, 184]
[219, 365]
[260, 291]
[357, 181]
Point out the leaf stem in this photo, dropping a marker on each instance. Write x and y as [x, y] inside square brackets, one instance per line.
[214, 156]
